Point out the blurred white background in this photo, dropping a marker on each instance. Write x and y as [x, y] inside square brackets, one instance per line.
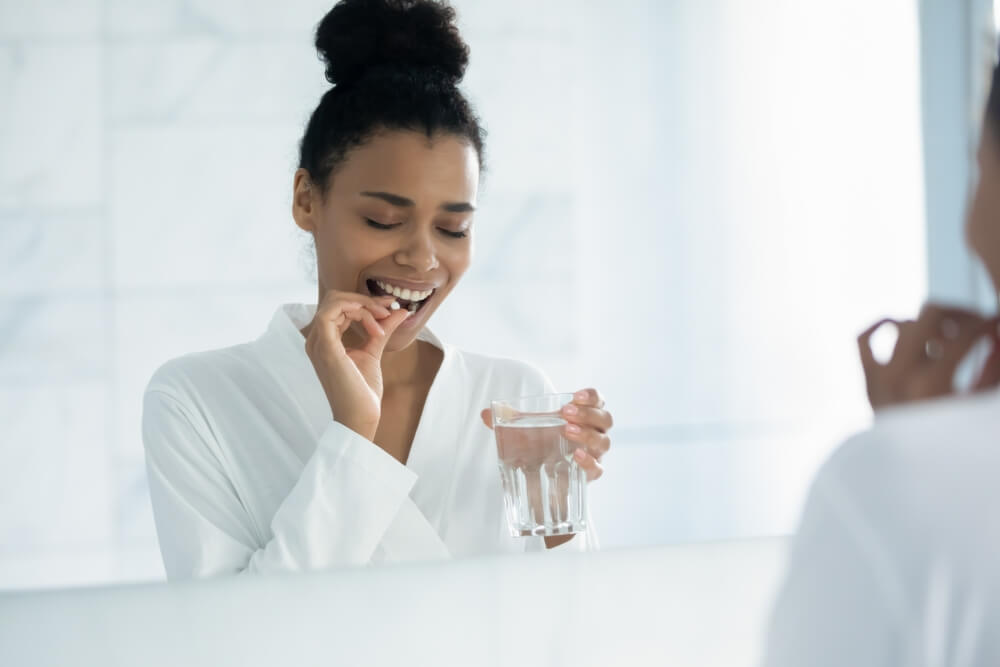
[692, 205]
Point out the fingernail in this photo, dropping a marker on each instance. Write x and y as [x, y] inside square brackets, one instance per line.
[572, 428]
[580, 396]
[570, 409]
[579, 455]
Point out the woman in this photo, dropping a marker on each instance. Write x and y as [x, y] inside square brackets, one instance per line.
[247, 470]
[897, 559]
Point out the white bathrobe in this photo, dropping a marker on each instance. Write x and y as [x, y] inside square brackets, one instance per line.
[897, 559]
[248, 472]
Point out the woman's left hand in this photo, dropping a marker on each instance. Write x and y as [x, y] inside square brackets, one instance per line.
[587, 424]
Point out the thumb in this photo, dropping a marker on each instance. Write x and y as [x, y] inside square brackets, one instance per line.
[376, 344]
[487, 417]
[989, 376]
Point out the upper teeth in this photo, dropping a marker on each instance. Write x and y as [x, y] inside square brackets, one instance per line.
[404, 294]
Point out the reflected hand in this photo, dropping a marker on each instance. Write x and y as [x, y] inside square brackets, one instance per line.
[928, 351]
[352, 377]
[587, 423]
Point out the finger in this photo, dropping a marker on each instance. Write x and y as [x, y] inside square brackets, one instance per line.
[487, 417]
[588, 398]
[936, 377]
[590, 465]
[328, 330]
[334, 299]
[937, 312]
[385, 304]
[596, 443]
[989, 376]
[376, 344]
[910, 347]
[868, 361]
[956, 349]
[936, 323]
[378, 305]
[341, 318]
[593, 417]
[360, 297]
[333, 309]
[372, 327]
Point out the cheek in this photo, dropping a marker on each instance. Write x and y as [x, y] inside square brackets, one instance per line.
[331, 259]
[983, 227]
[973, 220]
[458, 260]
[983, 219]
[343, 252]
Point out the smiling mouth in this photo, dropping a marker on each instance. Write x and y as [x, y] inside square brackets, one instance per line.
[412, 300]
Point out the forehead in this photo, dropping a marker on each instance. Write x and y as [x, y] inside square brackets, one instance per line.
[429, 170]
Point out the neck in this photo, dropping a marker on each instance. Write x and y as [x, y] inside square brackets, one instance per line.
[399, 370]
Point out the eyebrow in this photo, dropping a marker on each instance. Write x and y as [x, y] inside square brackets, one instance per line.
[403, 202]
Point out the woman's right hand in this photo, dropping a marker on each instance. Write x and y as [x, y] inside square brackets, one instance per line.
[352, 377]
[927, 354]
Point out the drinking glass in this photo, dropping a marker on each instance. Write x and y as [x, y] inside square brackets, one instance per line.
[544, 488]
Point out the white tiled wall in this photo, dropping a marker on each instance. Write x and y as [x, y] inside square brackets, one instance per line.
[672, 212]
[146, 151]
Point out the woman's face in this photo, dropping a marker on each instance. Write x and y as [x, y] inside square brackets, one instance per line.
[982, 228]
[397, 215]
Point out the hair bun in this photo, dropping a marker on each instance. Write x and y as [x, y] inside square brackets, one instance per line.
[358, 35]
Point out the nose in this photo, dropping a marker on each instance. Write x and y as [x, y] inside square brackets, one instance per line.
[418, 252]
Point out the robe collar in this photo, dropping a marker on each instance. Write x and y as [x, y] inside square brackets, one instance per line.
[434, 451]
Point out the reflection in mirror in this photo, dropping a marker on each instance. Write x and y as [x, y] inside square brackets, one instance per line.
[678, 209]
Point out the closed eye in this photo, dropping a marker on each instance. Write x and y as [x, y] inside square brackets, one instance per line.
[379, 225]
[446, 232]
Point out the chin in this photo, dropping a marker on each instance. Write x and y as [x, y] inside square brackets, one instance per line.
[400, 340]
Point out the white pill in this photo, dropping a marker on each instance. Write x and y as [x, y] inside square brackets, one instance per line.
[394, 305]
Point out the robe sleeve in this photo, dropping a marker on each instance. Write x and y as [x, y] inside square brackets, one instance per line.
[349, 494]
[839, 601]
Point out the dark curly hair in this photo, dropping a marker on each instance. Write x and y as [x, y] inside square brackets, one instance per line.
[394, 65]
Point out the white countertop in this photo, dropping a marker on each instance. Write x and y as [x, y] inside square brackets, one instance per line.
[703, 604]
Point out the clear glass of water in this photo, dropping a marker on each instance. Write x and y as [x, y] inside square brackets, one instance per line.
[544, 488]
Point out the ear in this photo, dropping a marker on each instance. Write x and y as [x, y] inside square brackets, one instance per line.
[305, 201]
